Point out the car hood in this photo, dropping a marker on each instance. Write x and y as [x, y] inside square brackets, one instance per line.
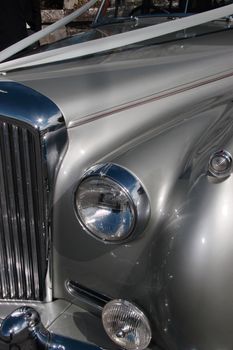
[88, 87]
[100, 31]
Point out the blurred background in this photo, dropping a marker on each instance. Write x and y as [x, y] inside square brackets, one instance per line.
[53, 10]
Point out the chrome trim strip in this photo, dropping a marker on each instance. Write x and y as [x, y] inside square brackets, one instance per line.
[148, 99]
[22, 105]
[88, 299]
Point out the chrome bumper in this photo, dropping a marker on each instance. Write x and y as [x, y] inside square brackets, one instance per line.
[23, 330]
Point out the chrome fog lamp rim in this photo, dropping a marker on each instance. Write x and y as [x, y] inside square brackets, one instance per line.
[133, 189]
[126, 325]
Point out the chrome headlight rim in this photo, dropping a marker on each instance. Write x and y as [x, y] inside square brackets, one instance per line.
[133, 189]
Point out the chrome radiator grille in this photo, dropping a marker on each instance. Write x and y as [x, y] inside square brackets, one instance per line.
[22, 213]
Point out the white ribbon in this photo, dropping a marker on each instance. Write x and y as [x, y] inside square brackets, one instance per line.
[116, 41]
[22, 44]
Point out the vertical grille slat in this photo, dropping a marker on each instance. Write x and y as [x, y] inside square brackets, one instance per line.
[30, 211]
[3, 259]
[22, 213]
[15, 241]
[9, 269]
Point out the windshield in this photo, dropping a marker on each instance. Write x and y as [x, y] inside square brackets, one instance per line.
[119, 9]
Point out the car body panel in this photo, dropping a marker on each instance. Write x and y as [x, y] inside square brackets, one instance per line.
[150, 140]
[144, 72]
[160, 111]
[160, 266]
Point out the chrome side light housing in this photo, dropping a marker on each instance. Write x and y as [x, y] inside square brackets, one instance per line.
[111, 203]
[126, 325]
[220, 164]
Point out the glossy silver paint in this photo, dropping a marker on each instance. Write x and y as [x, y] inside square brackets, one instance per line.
[160, 112]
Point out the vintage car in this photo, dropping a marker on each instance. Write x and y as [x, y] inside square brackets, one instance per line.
[116, 189]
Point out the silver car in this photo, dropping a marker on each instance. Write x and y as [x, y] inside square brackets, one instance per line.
[116, 184]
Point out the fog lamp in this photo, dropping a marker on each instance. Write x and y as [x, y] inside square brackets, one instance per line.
[126, 325]
[111, 203]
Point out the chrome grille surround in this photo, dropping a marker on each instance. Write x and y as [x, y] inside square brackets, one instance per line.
[22, 213]
[32, 138]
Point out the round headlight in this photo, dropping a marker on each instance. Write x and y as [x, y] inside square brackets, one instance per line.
[126, 325]
[105, 209]
[111, 203]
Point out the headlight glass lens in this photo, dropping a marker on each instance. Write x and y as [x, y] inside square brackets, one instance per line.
[105, 209]
[126, 325]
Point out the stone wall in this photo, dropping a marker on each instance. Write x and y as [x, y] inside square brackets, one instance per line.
[51, 15]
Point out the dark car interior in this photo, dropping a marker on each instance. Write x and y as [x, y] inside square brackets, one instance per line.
[175, 7]
[124, 8]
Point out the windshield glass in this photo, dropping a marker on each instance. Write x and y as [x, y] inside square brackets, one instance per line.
[119, 9]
